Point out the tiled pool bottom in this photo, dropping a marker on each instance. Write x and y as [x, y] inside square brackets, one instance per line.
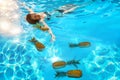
[104, 62]
[19, 63]
[16, 63]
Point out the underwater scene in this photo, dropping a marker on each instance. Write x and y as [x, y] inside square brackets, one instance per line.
[59, 40]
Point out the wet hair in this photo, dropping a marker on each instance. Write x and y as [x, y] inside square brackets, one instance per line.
[30, 20]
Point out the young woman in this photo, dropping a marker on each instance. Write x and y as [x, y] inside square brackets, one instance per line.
[38, 18]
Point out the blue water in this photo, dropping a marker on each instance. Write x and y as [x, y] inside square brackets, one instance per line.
[97, 23]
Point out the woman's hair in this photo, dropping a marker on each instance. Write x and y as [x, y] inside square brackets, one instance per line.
[31, 20]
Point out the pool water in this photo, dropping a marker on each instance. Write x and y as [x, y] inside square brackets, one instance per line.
[97, 23]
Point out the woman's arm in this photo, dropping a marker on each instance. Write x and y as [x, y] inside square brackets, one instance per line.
[30, 10]
[49, 31]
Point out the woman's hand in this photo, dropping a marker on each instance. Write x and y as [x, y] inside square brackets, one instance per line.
[53, 38]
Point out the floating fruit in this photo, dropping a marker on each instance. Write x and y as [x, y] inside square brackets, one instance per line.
[81, 44]
[39, 46]
[84, 44]
[59, 64]
[74, 73]
[70, 73]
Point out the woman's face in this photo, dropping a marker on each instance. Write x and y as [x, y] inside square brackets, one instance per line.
[35, 16]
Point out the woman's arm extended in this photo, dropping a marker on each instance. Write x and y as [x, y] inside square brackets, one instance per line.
[49, 31]
[30, 10]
